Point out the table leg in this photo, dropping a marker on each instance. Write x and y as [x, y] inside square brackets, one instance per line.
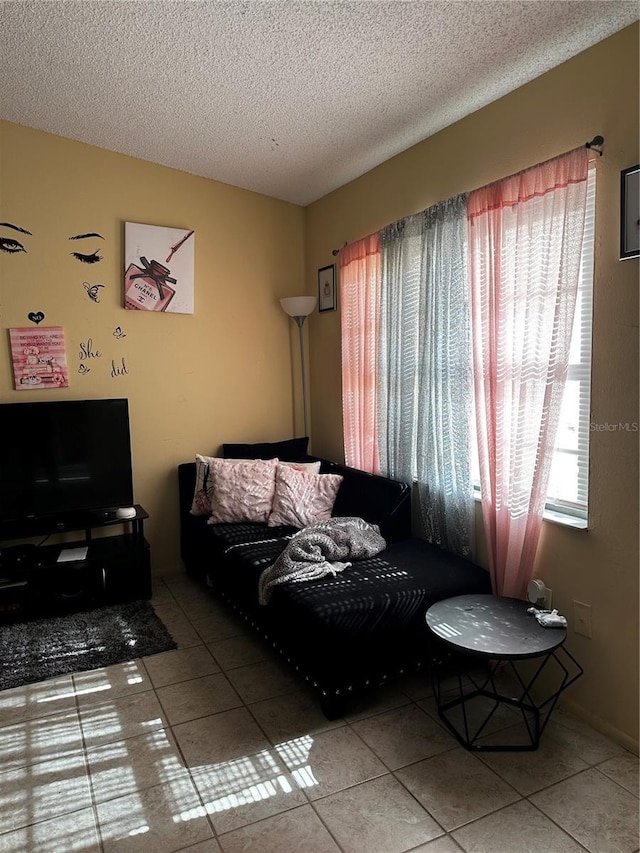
[535, 714]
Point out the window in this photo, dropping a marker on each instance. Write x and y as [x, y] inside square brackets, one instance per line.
[530, 244]
[567, 492]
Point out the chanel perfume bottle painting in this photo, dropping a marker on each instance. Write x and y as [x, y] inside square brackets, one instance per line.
[159, 264]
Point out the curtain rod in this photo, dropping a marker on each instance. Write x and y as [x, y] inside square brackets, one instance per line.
[595, 145]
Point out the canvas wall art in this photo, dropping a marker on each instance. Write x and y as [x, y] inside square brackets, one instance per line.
[159, 268]
[39, 358]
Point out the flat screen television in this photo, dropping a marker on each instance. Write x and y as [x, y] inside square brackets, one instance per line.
[61, 461]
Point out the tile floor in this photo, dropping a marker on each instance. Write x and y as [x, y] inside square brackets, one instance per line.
[215, 748]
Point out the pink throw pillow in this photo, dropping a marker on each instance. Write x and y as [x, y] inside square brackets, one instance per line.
[302, 498]
[241, 491]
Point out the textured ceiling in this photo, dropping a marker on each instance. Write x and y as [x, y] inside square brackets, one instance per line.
[291, 99]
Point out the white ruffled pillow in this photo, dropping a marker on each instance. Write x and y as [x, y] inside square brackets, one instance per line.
[309, 467]
[301, 497]
[241, 491]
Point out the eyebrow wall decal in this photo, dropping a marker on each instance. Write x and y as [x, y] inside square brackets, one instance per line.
[15, 228]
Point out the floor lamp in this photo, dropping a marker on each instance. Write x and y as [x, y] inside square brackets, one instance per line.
[299, 307]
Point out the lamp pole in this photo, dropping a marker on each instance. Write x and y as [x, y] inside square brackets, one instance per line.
[299, 308]
[300, 322]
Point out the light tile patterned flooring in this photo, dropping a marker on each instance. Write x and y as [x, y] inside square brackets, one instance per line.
[215, 748]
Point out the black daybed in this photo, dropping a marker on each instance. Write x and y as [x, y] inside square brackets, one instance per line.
[342, 634]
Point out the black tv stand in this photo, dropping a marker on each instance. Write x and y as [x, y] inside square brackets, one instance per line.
[97, 569]
[15, 557]
[104, 515]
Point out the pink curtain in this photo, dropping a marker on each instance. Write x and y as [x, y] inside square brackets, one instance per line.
[360, 311]
[525, 243]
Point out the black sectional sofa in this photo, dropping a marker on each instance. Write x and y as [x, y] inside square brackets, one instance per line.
[343, 634]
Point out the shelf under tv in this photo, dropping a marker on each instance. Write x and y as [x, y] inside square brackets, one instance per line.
[35, 582]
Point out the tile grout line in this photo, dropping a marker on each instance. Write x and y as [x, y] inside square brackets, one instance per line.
[183, 759]
[85, 751]
[346, 723]
[216, 835]
[562, 828]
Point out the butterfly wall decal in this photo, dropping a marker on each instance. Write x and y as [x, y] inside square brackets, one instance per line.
[93, 290]
[118, 333]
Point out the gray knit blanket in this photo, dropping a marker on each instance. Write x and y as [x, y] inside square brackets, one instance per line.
[322, 548]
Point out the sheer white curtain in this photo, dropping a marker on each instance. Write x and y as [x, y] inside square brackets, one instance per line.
[474, 294]
[525, 244]
[425, 375]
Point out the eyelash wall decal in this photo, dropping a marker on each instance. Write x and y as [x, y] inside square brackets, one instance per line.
[11, 246]
[87, 259]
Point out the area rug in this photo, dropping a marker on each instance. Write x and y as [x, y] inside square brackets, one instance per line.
[45, 648]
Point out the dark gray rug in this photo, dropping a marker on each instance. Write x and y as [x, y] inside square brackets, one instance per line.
[44, 648]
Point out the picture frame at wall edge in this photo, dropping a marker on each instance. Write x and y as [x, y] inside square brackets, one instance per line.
[327, 288]
[630, 213]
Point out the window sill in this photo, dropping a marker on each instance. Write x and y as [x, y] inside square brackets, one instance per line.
[565, 520]
[553, 516]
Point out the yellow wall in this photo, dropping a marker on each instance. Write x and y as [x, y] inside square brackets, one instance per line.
[226, 372]
[194, 381]
[594, 93]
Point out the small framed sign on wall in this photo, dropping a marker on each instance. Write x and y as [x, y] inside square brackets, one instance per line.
[327, 288]
[39, 358]
[630, 213]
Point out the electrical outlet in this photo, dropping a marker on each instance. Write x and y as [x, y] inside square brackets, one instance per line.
[582, 619]
[548, 597]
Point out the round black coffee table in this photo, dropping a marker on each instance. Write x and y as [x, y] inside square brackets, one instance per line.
[500, 633]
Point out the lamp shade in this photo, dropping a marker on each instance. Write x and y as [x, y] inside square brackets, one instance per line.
[298, 306]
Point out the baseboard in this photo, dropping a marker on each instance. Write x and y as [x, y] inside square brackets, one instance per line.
[601, 726]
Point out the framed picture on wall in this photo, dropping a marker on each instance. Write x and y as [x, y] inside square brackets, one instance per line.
[630, 213]
[159, 268]
[327, 288]
[39, 358]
